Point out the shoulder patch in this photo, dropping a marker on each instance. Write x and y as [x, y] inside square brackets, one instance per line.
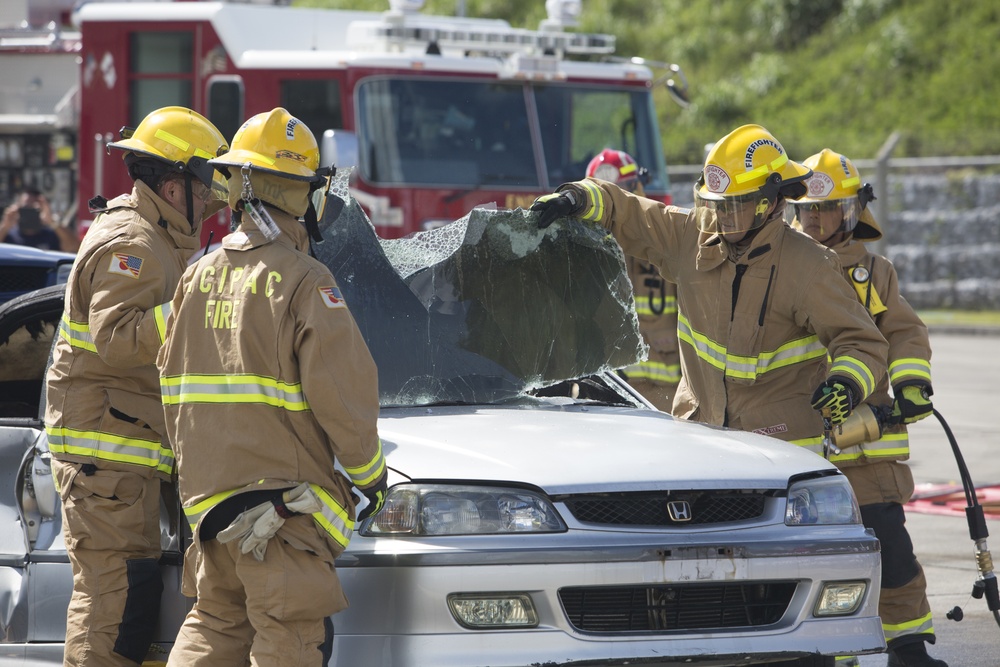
[125, 264]
[332, 297]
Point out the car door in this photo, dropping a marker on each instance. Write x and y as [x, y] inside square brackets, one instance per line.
[35, 575]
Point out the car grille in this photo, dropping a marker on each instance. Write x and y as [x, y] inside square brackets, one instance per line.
[663, 608]
[647, 509]
[22, 279]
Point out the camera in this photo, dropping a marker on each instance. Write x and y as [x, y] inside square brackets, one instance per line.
[29, 219]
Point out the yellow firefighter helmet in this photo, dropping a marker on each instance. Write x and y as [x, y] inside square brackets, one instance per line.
[835, 186]
[275, 142]
[749, 160]
[179, 137]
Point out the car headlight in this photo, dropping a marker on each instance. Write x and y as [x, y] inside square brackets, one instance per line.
[822, 501]
[444, 509]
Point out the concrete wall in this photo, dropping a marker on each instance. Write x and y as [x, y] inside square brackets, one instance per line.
[943, 236]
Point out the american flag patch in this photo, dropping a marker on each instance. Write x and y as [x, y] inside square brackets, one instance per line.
[126, 265]
[332, 297]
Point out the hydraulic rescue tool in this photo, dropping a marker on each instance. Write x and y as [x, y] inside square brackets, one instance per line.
[866, 424]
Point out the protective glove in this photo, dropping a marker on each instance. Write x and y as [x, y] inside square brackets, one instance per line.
[913, 403]
[257, 525]
[838, 397]
[569, 201]
[376, 498]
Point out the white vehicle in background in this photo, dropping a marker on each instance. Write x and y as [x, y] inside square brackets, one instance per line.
[527, 522]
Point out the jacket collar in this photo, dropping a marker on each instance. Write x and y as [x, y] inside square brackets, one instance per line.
[247, 236]
[159, 214]
[713, 251]
[851, 252]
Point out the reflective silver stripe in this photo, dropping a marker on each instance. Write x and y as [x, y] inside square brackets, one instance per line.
[595, 198]
[77, 334]
[183, 389]
[655, 371]
[111, 447]
[333, 518]
[704, 347]
[160, 316]
[922, 625]
[892, 444]
[792, 352]
[813, 444]
[856, 370]
[903, 369]
[364, 475]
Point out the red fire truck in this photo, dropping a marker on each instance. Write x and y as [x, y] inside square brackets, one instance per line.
[437, 114]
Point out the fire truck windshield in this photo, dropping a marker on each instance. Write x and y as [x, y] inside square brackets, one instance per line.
[499, 135]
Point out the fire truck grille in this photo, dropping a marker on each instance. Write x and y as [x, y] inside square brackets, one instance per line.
[664, 608]
[22, 278]
[676, 510]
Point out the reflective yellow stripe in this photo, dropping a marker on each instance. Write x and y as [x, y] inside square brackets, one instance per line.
[364, 475]
[110, 447]
[903, 369]
[848, 182]
[333, 518]
[922, 625]
[891, 444]
[627, 169]
[77, 334]
[185, 389]
[198, 510]
[814, 444]
[655, 371]
[160, 315]
[596, 200]
[763, 169]
[642, 306]
[858, 371]
[172, 139]
[735, 366]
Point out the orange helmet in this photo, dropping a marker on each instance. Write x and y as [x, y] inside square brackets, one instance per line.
[617, 167]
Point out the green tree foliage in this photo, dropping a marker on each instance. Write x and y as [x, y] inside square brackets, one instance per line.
[842, 74]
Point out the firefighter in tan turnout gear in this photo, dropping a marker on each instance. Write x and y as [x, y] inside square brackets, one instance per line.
[267, 383]
[103, 414]
[834, 212]
[758, 303]
[655, 378]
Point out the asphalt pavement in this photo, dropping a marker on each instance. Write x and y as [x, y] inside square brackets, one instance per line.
[966, 379]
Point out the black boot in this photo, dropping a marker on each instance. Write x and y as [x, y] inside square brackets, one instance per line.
[913, 655]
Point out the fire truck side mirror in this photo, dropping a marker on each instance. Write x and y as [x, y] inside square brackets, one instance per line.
[339, 147]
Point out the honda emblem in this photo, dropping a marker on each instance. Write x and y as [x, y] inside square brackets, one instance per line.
[679, 510]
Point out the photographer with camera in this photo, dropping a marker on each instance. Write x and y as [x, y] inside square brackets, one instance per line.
[28, 221]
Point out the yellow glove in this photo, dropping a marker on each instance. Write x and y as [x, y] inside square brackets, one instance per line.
[838, 397]
[913, 403]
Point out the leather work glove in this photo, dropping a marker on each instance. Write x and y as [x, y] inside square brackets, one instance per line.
[562, 204]
[913, 403]
[837, 397]
[257, 525]
[376, 498]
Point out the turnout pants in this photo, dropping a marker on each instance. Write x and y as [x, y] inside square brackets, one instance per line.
[270, 613]
[882, 487]
[111, 524]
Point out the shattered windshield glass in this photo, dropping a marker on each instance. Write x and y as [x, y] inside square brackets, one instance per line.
[483, 309]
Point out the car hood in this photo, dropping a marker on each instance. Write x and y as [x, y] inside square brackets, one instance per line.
[584, 449]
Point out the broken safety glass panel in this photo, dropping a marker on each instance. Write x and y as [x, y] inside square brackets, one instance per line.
[484, 309]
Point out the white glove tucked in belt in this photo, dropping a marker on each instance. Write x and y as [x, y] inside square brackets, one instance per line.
[257, 525]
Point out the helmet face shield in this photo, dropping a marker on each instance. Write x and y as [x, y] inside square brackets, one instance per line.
[822, 219]
[734, 216]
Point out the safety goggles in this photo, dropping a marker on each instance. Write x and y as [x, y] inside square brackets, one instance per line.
[837, 214]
